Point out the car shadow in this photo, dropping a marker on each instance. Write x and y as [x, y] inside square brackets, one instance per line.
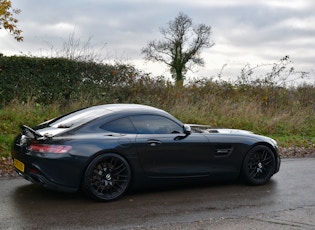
[33, 204]
[32, 193]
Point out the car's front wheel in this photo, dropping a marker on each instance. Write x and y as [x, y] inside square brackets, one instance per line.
[259, 165]
[107, 177]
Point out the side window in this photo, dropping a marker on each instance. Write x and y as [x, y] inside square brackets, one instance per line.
[122, 125]
[154, 124]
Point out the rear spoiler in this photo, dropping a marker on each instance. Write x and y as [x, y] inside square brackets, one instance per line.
[31, 133]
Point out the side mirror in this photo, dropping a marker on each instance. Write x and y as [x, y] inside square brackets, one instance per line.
[187, 130]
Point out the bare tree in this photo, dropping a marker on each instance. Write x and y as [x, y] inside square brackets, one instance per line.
[75, 49]
[180, 47]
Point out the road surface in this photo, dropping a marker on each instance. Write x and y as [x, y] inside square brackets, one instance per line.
[287, 202]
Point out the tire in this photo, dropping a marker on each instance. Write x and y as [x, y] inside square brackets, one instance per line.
[107, 177]
[259, 165]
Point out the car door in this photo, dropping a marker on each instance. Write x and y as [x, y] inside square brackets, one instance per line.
[165, 151]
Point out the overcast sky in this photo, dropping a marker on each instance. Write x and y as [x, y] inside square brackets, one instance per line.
[251, 32]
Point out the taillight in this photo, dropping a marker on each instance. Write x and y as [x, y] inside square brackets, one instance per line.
[42, 148]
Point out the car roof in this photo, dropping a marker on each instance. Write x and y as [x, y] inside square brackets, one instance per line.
[119, 107]
[94, 112]
[129, 108]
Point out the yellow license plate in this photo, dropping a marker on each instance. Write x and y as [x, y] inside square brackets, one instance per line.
[19, 165]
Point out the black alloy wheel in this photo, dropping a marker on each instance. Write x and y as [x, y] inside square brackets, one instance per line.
[107, 178]
[259, 165]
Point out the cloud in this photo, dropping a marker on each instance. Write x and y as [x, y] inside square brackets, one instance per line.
[303, 24]
[244, 31]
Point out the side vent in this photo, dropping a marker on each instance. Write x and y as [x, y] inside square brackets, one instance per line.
[223, 151]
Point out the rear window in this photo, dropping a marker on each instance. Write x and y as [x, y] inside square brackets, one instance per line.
[79, 117]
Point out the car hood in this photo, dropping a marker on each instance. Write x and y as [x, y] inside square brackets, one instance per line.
[229, 131]
[209, 129]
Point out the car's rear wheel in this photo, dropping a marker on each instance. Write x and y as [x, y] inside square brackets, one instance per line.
[107, 177]
[259, 165]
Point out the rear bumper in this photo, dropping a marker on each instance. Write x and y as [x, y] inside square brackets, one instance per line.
[37, 178]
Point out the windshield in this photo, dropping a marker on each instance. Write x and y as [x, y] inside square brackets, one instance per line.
[79, 117]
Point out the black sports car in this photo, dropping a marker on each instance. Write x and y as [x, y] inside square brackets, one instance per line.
[105, 149]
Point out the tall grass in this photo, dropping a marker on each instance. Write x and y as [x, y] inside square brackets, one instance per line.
[287, 114]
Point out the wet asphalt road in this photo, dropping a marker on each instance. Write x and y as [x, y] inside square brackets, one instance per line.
[287, 202]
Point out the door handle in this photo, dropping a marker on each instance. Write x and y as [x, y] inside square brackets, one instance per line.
[154, 143]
